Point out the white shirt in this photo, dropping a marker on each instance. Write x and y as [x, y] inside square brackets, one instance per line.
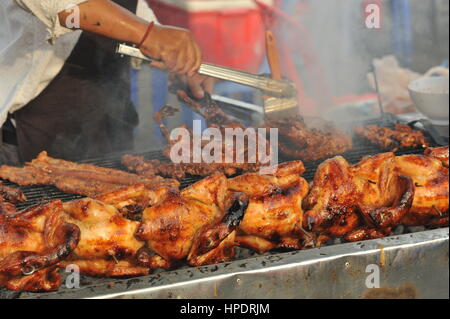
[28, 62]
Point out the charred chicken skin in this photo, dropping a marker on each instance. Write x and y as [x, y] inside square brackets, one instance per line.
[197, 224]
[367, 199]
[430, 177]
[346, 199]
[32, 243]
[107, 244]
[138, 228]
[274, 215]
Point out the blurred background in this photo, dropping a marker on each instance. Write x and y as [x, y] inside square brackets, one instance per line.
[325, 47]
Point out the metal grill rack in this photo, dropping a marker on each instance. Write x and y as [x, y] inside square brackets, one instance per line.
[39, 194]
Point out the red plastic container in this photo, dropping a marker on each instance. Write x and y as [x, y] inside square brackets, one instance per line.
[232, 37]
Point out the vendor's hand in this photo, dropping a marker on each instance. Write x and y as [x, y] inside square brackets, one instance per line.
[197, 84]
[175, 49]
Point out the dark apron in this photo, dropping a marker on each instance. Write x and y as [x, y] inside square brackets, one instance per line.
[86, 111]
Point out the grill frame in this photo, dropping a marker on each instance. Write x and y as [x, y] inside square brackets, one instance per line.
[39, 194]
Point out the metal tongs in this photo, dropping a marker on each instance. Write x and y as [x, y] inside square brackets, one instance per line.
[280, 94]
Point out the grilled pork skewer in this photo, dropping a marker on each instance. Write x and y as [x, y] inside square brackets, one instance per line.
[83, 179]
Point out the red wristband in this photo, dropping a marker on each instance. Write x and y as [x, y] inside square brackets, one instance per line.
[150, 27]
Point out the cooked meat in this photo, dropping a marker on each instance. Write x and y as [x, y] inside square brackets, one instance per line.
[107, 245]
[197, 224]
[296, 140]
[11, 194]
[439, 153]
[7, 208]
[380, 192]
[209, 110]
[344, 198]
[151, 168]
[402, 136]
[32, 243]
[274, 215]
[431, 183]
[85, 232]
[300, 142]
[84, 179]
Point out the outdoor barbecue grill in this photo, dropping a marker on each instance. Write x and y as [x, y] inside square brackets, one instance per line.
[409, 259]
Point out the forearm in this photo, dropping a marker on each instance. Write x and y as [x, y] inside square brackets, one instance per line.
[108, 19]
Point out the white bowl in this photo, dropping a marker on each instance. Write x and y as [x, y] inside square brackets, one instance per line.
[430, 96]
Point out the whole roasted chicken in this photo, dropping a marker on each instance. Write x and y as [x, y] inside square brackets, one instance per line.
[197, 224]
[367, 199]
[32, 243]
[107, 245]
[274, 215]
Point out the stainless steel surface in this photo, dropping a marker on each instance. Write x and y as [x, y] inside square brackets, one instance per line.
[281, 109]
[266, 84]
[239, 104]
[410, 266]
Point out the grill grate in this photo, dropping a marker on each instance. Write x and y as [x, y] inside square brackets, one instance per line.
[39, 194]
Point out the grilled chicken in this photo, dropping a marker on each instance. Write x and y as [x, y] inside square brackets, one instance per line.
[90, 233]
[197, 224]
[439, 153]
[367, 199]
[274, 215]
[345, 199]
[32, 243]
[130, 231]
[107, 244]
[430, 177]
